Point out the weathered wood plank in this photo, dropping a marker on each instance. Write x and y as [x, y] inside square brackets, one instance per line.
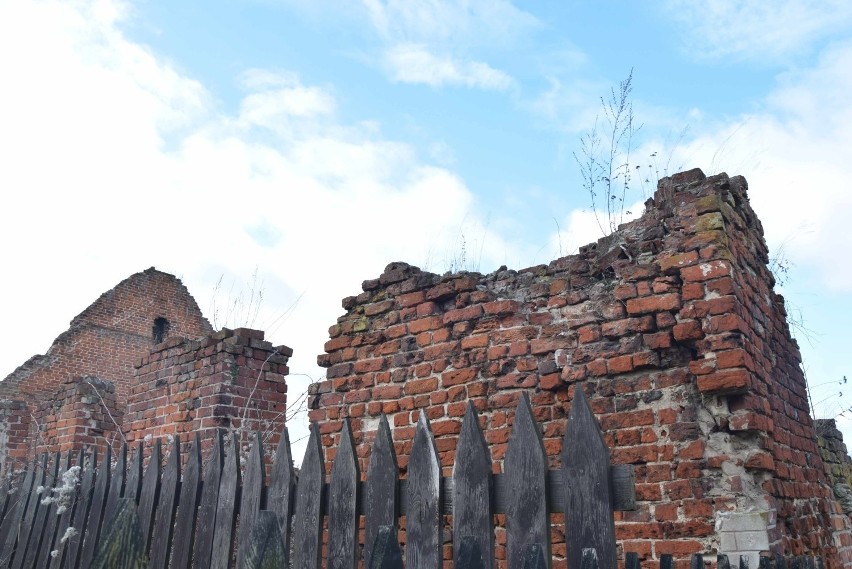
[33, 506]
[342, 507]
[307, 532]
[472, 513]
[386, 551]
[631, 560]
[161, 542]
[697, 561]
[116, 483]
[423, 493]
[666, 561]
[525, 474]
[590, 559]
[190, 496]
[60, 544]
[150, 493]
[226, 509]
[381, 495]
[96, 511]
[282, 489]
[133, 486]
[37, 540]
[589, 519]
[502, 492]
[533, 556]
[264, 549]
[252, 494]
[81, 512]
[470, 553]
[5, 495]
[60, 466]
[122, 546]
[722, 561]
[203, 551]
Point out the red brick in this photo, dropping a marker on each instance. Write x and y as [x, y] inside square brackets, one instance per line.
[656, 303]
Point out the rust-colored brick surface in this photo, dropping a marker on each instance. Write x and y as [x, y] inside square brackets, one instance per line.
[672, 328]
[105, 342]
[231, 379]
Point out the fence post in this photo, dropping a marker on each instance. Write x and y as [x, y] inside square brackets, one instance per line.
[589, 521]
[123, 546]
[423, 515]
[525, 473]
[472, 518]
[343, 504]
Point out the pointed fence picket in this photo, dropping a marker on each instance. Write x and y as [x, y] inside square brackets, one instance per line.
[224, 517]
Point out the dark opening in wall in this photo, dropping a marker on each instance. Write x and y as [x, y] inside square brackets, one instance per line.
[160, 330]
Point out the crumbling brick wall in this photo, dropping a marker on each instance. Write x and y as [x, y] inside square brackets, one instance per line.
[105, 341]
[671, 327]
[232, 379]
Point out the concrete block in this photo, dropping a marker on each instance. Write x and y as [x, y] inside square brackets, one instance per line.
[752, 540]
[750, 521]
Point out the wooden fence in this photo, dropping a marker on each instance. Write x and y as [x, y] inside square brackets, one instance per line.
[230, 516]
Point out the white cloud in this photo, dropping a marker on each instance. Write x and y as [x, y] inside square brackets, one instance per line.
[755, 29]
[114, 161]
[470, 23]
[412, 63]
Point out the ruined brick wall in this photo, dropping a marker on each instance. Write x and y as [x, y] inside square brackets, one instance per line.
[108, 337]
[81, 412]
[230, 379]
[105, 341]
[672, 329]
[838, 464]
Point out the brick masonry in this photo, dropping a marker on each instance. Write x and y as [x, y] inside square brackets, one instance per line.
[670, 326]
[46, 394]
[232, 379]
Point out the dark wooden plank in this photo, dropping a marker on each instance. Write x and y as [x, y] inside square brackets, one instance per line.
[264, 549]
[96, 511]
[623, 487]
[60, 467]
[722, 561]
[386, 551]
[161, 541]
[766, 563]
[116, 485]
[190, 496]
[697, 561]
[472, 513]
[29, 519]
[666, 561]
[589, 519]
[150, 493]
[226, 509]
[15, 509]
[81, 512]
[423, 498]
[744, 562]
[6, 495]
[381, 492]
[590, 559]
[470, 553]
[203, 550]
[38, 537]
[133, 486]
[780, 562]
[122, 546]
[307, 526]
[282, 489]
[342, 506]
[534, 558]
[251, 496]
[60, 541]
[525, 474]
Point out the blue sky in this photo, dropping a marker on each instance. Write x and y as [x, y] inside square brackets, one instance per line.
[311, 142]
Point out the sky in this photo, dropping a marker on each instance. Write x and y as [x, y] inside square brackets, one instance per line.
[293, 148]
